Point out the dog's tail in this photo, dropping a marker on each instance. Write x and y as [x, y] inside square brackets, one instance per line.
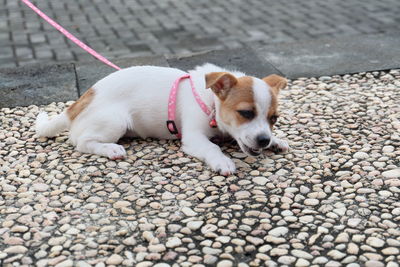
[51, 127]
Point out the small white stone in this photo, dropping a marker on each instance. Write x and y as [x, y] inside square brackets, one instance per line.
[306, 219]
[194, 225]
[208, 228]
[254, 240]
[342, 238]
[302, 263]
[287, 260]
[278, 252]
[311, 202]
[388, 149]
[188, 212]
[66, 263]
[114, 259]
[40, 187]
[82, 264]
[375, 242]
[279, 231]
[320, 260]
[225, 263]
[336, 254]
[167, 195]
[360, 155]
[374, 263]
[121, 204]
[395, 173]
[260, 180]
[156, 248]
[353, 222]
[130, 241]
[212, 251]
[390, 251]
[173, 242]
[16, 249]
[396, 211]
[301, 254]
[223, 239]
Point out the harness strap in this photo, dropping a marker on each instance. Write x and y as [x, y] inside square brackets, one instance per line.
[172, 105]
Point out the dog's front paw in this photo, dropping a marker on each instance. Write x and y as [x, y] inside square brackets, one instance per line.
[223, 165]
[279, 146]
[115, 151]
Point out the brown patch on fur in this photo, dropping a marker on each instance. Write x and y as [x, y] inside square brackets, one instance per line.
[220, 83]
[276, 82]
[76, 108]
[273, 109]
[240, 97]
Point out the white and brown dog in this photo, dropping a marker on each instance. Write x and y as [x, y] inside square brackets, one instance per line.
[136, 101]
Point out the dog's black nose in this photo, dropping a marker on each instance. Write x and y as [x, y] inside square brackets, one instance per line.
[263, 140]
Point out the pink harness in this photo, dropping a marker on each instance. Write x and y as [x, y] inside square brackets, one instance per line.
[172, 106]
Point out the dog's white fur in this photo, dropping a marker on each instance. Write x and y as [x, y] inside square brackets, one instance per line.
[134, 102]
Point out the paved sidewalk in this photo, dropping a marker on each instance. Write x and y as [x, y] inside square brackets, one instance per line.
[127, 28]
[332, 200]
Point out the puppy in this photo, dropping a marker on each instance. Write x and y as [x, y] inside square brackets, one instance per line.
[207, 101]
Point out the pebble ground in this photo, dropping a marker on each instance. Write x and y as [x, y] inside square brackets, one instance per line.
[332, 200]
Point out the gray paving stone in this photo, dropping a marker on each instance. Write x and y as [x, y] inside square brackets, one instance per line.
[242, 59]
[190, 26]
[89, 73]
[334, 56]
[38, 84]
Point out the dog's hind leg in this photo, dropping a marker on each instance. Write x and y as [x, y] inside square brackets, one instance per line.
[100, 138]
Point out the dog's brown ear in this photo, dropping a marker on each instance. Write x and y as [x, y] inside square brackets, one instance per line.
[220, 83]
[276, 82]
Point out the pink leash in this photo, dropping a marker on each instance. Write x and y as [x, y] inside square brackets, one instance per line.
[70, 36]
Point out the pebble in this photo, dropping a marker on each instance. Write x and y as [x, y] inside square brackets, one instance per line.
[390, 251]
[301, 254]
[353, 222]
[194, 225]
[352, 248]
[336, 254]
[395, 173]
[374, 263]
[114, 259]
[375, 242]
[279, 231]
[388, 149]
[173, 242]
[287, 260]
[15, 249]
[188, 212]
[225, 263]
[66, 263]
[360, 155]
[302, 263]
[260, 180]
[311, 202]
[278, 252]
[40, 187]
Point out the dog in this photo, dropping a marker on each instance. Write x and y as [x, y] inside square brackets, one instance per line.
[205, 102]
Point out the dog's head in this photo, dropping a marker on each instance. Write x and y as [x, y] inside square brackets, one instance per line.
[246, 107]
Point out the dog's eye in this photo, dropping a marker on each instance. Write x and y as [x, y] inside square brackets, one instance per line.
[247, 114]
[273, 119]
